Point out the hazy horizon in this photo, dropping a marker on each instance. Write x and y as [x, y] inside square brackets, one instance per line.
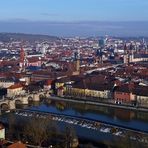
[75, 17]
[76, 28]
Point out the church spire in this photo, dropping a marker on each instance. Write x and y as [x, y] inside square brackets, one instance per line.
[22, 58]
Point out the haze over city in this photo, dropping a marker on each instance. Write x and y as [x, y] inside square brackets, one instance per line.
[75, 18]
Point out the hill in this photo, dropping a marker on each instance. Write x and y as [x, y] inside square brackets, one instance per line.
[6, 37]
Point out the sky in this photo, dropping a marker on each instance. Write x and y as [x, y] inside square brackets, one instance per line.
[74, 10]
[75, 14]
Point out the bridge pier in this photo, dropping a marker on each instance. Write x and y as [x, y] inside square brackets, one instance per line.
[36, 98]
[11, 104]
[24, 100]
[47, 94]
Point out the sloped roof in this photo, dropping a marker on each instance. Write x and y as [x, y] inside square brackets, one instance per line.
[17, 145]
[140, 55]
[141, 91]
[93, 85]
[15, 86]
[48, 82]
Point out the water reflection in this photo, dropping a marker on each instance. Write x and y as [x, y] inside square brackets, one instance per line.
[82, 109]
[121, 114]
[131, 119]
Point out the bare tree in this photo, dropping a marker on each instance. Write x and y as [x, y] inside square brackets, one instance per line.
[37, 130]
[70, 134]
[11, 126]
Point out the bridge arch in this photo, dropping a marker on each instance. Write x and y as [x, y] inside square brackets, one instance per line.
[18, 101]
[41, 97]
[4, 106]
[30, 98]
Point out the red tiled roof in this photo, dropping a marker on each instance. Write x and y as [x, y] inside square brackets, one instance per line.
[1, 127]
[15, 86]
[11, 62]
[141, 90]
[48, 82]
[61, 88]
[42, 72]
[33, 59]
[17, 145]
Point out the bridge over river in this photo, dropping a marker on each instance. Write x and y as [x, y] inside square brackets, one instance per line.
[9, 103]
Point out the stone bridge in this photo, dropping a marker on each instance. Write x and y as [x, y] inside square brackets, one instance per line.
[10, 103]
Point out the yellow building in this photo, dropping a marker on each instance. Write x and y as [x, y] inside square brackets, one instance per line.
[81, 91]
[83, 87]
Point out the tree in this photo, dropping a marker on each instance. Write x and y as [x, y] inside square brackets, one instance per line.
[11, 126]
[37, 130]
[70, 135]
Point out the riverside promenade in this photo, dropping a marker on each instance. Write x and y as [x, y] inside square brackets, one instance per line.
[99, 103]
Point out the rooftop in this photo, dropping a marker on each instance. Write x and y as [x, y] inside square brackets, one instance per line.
[15, 86]
[17, 145]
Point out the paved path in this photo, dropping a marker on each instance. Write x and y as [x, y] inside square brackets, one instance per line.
[90, 102]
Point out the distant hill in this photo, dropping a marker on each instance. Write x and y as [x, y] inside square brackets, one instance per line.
[6, 37]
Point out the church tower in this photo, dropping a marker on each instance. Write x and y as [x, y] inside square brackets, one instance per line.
[77, 62]
[126, 55]
[99, 56]
[22, 59]
[131, 58]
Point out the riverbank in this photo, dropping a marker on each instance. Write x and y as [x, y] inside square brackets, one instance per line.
[111, 116]
[105, 104]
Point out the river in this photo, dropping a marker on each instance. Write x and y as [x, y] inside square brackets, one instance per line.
[130, 119]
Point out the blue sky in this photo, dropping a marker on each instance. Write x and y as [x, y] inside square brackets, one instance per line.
[75, 17]
[74, 10]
